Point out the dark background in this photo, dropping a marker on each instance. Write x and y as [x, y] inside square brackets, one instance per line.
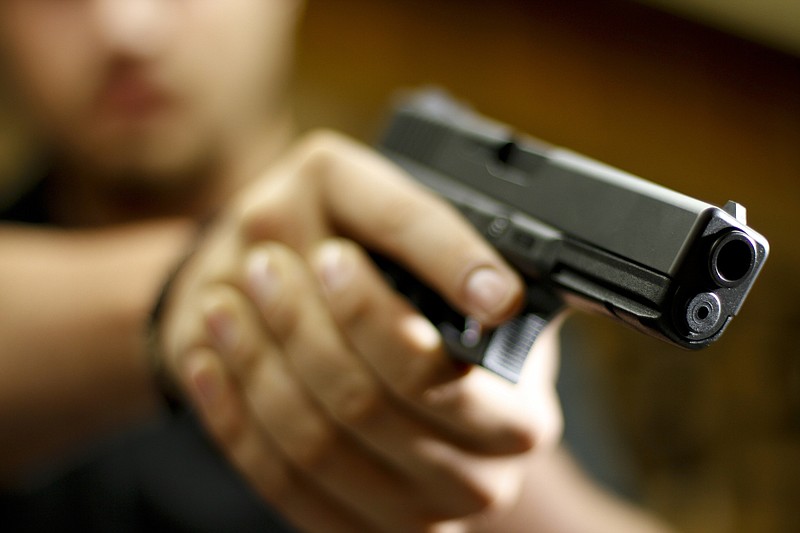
[713, 436]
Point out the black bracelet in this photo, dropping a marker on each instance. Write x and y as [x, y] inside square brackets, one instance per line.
[168, 389]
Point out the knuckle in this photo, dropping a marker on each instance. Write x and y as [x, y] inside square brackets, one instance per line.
[319, 150]
[546, 429]
[523, 438]
[323, 140]
[485, 493]
[315, 445]
[259, 220]
[265, 215]
[477, 483]
[358, 402]
[477, 499]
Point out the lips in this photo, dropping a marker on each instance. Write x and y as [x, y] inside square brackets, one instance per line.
[131, 95]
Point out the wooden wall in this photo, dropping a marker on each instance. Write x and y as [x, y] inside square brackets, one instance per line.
[716, 434]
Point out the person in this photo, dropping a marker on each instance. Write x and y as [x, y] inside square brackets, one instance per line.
[172, 156]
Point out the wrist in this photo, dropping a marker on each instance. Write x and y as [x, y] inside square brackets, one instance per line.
[167, 388]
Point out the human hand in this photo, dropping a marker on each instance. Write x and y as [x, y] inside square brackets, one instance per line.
[325, 388]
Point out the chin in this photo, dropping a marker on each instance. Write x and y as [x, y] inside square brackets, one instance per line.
[157, 162]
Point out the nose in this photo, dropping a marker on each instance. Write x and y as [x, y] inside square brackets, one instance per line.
[134, 28]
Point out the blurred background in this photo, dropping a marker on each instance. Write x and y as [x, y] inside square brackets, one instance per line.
[702, 96]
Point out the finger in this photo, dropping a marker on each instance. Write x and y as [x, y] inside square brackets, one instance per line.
[299, 322]
[293, 311]
[448, 481]
[299, 427]
[405, 350]
[346, 188]
[239, 437]
[386, 210]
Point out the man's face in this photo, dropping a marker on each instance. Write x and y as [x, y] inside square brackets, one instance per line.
[147, 87]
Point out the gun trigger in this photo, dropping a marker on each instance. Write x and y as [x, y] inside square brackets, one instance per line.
[736, 210]
[502, 350]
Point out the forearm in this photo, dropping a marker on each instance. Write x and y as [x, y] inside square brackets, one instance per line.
[73, 306]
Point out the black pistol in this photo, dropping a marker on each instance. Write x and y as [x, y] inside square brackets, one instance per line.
[583, 234]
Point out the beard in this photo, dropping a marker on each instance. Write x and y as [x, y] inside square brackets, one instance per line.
[160, 158]
[132, 178]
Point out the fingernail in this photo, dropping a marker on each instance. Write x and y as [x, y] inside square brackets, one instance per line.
[334, 270]
[261, 277]
[488, 291]
[224, 329]
[204, 382]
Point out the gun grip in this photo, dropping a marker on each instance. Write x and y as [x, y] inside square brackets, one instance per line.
[502, 350]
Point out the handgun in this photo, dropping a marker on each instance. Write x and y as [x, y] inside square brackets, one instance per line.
[581, 233]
